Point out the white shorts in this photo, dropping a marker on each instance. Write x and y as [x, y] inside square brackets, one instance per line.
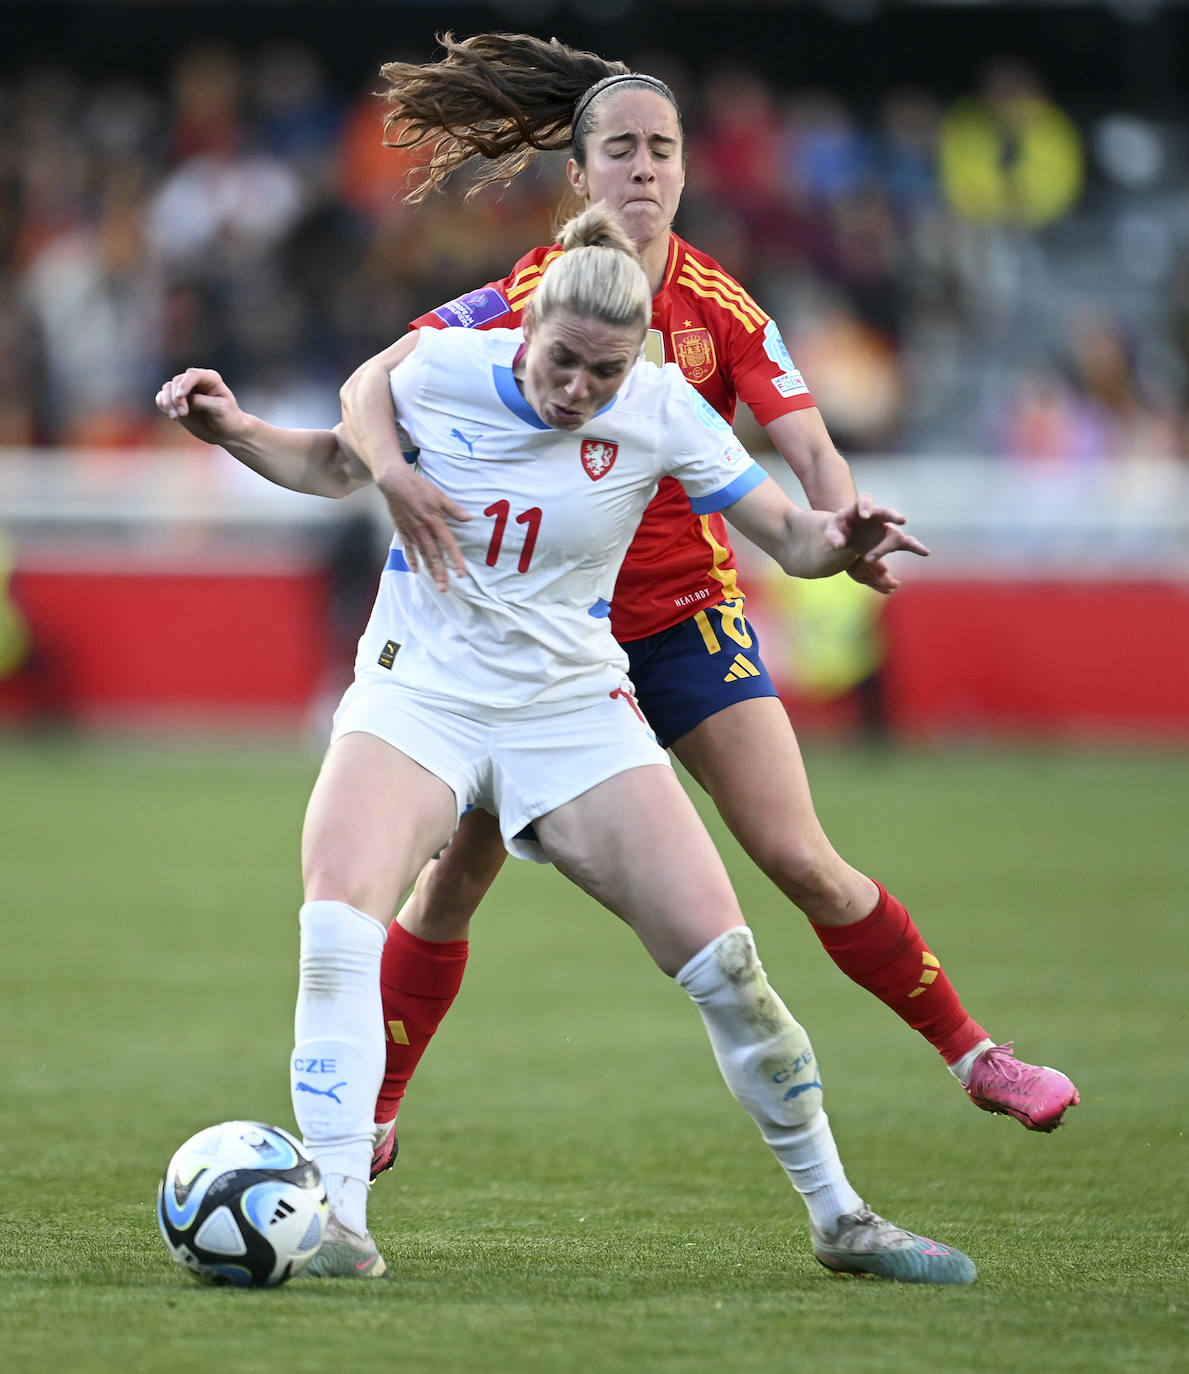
[517, 770]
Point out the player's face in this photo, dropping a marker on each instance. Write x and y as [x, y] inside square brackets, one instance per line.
[572, 366]
[634, 162]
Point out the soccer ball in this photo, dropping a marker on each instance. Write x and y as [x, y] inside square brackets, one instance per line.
[242, 1203]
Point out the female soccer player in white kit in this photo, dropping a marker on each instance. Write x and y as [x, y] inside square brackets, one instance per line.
[506, 689]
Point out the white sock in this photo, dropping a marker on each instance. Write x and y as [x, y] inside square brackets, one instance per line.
[961, 1068]
[338, 1056]
[348, 1201]
[769, 1066]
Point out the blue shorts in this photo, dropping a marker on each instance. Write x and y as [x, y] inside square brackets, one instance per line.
[693, 670]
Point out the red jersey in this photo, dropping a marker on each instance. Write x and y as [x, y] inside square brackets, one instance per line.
[730, 350]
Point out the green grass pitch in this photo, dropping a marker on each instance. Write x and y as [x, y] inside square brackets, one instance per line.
[576, 1190]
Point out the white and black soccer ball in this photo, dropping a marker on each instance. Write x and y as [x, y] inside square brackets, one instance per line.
[242, 1203]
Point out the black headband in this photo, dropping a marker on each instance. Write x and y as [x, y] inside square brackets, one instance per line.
[607, 81]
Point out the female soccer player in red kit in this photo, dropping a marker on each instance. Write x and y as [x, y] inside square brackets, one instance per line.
[678, 609]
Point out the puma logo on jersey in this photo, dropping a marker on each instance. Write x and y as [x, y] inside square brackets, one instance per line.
[462, 439]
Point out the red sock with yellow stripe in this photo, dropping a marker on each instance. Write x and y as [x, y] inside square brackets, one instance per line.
[419, 980]
[885, 953]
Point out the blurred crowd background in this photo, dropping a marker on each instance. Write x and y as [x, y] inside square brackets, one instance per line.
[970, 219]
[992, 261]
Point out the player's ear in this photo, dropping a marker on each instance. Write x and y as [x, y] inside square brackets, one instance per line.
[526, 320]
[576, 176]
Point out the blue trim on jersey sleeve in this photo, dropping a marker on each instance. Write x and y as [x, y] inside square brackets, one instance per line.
[601, 609]
[397, 562]
[509, 393]
[728, 495]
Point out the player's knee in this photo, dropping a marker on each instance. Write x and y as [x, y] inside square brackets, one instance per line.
[451, 886]
[327, 879]
[437, 912]
[808, 876]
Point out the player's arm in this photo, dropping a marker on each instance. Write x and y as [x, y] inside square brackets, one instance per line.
[819, 543]
[803, 441]
[419, 510]
[770, 383]
[318, 462]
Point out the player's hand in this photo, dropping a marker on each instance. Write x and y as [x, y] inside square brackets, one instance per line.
[201, 401]
[878, 576]
[422, 514]
[872, 532]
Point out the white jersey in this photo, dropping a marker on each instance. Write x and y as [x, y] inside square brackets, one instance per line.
[553, 512]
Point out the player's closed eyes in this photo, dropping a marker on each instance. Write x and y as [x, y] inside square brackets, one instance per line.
[661, 153]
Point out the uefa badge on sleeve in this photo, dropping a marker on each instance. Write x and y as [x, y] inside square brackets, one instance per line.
[598, 457]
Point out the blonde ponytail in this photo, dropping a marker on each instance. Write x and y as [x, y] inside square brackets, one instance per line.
[598, 275]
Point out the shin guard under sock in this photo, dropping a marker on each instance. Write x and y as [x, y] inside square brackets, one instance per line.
[419, 980]
[769, 1066]
[886, 954]
[338, 1054]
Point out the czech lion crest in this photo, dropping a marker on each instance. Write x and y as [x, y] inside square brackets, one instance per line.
[598, 457]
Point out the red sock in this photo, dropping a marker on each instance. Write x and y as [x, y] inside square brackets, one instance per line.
[419, 979]
[885, 954]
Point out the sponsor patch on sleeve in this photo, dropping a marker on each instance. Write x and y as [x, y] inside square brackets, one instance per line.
[474, 309]
[790, 383]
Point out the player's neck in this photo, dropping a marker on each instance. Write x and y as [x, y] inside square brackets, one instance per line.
[654, 259]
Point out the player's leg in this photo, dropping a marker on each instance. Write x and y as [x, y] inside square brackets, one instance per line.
[451, 886]
[621, 841]
[635, 843]
[748, 759]
[426, 950]
[706, 691]
[424, 960]
[373, 817]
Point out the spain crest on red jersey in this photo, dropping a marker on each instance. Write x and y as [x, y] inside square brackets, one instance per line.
[693, 350]
[598, 457]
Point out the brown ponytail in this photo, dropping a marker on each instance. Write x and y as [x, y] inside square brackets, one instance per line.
[496, 98]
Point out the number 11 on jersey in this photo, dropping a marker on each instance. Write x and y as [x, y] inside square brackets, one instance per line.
[531, 518]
